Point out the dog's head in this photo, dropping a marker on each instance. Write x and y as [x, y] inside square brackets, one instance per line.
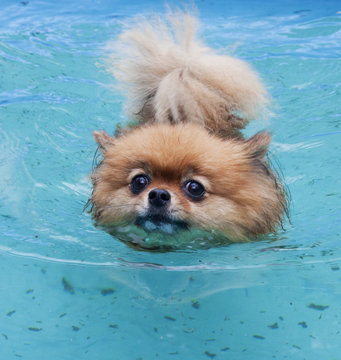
[178, 177]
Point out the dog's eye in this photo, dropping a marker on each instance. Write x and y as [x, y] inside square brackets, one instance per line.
[139, 183]
[194, 189]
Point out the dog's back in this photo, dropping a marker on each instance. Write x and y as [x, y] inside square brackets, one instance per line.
[170, 76]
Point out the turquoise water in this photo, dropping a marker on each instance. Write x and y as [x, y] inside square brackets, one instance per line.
[71, 291]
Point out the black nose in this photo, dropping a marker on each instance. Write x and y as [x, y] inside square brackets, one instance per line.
[159, 197]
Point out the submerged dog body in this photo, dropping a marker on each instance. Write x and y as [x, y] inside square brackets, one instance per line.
[185, 165]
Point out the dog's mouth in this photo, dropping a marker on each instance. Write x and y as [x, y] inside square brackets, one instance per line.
[163, 223]
[163, 232]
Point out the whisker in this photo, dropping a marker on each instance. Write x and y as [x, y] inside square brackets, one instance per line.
[117, 206]
[281, 185]
[95, 162]
[92, 207]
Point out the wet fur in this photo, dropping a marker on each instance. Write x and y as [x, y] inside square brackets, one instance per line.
[190, 105]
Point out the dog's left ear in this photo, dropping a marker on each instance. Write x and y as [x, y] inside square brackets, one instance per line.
[103, 139]
[257, 145]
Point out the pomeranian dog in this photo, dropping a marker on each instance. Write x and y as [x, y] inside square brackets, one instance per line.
[184, 164]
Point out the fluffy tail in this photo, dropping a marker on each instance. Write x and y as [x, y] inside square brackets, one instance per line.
[170, 76]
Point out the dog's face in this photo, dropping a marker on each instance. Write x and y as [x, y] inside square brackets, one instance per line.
[168, 178]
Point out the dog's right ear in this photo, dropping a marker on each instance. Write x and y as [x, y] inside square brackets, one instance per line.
[103, 139]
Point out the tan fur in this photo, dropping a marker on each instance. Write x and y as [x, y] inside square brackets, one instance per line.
[241, 198]
[171, 76]
[191, 104]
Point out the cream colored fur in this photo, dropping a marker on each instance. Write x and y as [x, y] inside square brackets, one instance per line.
[171, 76]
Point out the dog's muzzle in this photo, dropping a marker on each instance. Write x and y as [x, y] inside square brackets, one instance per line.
[160, 222]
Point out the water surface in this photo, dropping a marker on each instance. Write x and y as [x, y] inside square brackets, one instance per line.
[71, 290]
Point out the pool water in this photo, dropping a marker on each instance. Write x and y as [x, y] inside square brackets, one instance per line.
[72, 291]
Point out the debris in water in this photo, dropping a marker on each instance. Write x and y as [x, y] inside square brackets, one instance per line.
[273, 326]
[35, 329]
[109, 291]
[67, 286]
[318, 307]
[259, 337]
[211, 355]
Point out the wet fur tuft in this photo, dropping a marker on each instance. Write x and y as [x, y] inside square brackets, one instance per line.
[171, 76]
